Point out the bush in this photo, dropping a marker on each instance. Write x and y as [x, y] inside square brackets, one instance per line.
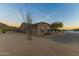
[3, 30]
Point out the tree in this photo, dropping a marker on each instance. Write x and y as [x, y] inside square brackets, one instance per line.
[60, 25]
[56, 26]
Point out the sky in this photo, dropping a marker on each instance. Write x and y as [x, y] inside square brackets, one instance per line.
[45, 12]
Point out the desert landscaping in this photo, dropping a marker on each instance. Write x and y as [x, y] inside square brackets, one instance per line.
[12, 44]
[39, 30]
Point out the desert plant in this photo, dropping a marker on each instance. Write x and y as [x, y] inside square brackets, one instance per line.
[3, 30]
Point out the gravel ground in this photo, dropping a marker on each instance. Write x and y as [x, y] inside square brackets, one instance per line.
[17, 44]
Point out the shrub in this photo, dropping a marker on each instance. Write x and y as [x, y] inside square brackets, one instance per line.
[3, 30]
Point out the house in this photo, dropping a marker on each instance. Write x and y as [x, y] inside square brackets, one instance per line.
[23, 27]
[37, 28]
[41, 28]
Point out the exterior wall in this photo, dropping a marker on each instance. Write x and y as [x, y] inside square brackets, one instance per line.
[37, 29]
[43, 28]
[23, 27]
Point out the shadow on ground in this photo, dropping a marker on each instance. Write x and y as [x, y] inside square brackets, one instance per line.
[67, 38]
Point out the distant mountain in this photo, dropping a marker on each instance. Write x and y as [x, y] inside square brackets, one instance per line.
[5, 26]
[76, 29]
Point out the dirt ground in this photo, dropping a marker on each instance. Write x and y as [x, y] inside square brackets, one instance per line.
[17, 44]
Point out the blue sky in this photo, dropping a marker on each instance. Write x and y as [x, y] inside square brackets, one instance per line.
[66, 13]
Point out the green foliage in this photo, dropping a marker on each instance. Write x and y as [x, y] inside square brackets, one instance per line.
[3, 30]
[57, 25]
[60, 25]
